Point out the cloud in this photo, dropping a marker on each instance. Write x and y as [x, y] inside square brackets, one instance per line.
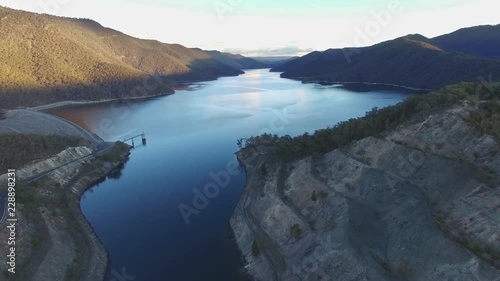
[271, 52]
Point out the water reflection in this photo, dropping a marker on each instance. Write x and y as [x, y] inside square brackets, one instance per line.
[191, 135]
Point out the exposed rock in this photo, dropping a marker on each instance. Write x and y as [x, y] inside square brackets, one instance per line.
[63, 164]
[418, 203]
[55, 241]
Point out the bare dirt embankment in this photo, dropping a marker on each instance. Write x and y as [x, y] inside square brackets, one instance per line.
[421, 202]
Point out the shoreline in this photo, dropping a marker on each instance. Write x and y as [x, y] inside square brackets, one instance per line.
[180, 86]
[369, 84]
[305, 80]
[232, 233]
[268, 264]
[88, 186]
[69, 104]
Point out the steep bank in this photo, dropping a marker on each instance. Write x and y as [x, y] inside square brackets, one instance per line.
[55, 241]
[418, 202]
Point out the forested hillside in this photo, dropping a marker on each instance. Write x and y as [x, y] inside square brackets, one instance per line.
[483, 41]
[47, 58]
[412, 61]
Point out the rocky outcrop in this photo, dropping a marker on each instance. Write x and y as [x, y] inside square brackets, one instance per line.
[62, 164]
[418, 203]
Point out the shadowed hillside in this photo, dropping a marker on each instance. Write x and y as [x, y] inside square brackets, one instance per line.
[483, 41]
[412, 61]
[45, 54]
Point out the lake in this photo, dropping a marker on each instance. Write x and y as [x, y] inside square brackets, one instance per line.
[191, 141]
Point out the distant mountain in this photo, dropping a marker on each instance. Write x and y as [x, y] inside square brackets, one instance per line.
[236, 61]
[241, 62]
[47, 59]
[412, 61]
[274, 61]
[483, 41]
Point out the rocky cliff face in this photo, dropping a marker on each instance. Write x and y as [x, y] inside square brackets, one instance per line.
[421, 202]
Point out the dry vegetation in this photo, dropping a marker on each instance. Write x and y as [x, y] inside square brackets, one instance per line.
[47, 59]
[18, 150]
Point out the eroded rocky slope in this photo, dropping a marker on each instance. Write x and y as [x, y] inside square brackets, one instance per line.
[421, 202]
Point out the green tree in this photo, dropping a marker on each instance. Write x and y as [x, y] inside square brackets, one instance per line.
[314, 196]
[255, 248]
[377, 121]
[263, 169]
[295, 231]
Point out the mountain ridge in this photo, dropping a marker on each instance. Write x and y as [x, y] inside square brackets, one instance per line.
[412, 60]
[482, 41]
[236, 61]
[50, 59]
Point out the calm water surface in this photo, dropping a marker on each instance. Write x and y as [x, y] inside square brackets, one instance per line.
[189, 135]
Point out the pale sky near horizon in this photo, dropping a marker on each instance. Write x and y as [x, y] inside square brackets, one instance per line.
[270, 28]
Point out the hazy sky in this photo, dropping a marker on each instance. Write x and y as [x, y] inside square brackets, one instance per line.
[267, 27]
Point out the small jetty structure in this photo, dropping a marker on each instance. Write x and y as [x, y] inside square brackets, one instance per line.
[131, 139]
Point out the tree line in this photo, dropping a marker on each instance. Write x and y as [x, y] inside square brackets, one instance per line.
[378, 120]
